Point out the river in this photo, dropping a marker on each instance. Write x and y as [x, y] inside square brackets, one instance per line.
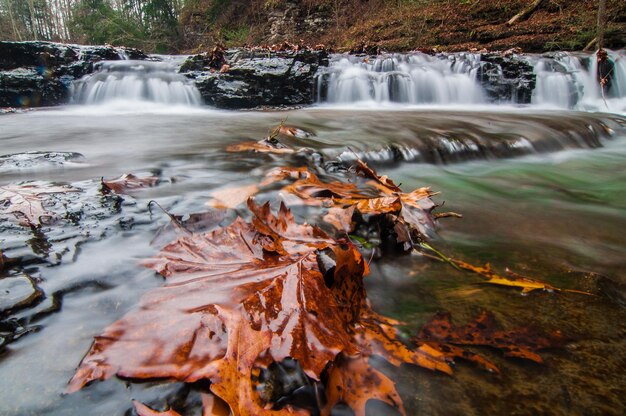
[542, 192]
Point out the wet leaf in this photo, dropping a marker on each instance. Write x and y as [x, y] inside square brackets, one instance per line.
[377, 195]
[245, 296]
[25, 202]
[526, 284]
[354, 381]
[267, 145]
[128, 183]
[143, 410]
[231, 197]
[441, 334]
[294, 132]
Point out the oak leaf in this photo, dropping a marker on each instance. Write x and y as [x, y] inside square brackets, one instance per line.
[25, 202]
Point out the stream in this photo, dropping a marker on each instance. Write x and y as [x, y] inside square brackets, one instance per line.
[542, 191]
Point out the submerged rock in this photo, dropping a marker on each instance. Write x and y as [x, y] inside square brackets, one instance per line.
[18, 292]
[258, 78]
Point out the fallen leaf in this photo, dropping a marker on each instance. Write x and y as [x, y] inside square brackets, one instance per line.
[526, 284]
[340, 218]
[245, 296]
[267, 145]
[441, 334]
[25, 201]
[143, 410]
[231, 196]
[127, 183]
[294, 132]
[376, 196]
[354, 381]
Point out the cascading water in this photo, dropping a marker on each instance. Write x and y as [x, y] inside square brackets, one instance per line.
[145, 81]
[569, 81]
[561, 80]
[410, 79]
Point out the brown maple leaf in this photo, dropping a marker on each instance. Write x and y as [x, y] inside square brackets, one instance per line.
[441, 334]
[376, 195]
[246, 296]
[25, 201]
[127, 183]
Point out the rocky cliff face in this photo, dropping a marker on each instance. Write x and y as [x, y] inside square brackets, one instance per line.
[35, 74]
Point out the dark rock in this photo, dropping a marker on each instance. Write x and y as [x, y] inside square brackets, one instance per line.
[34, 74]
[260, 78]
[507, 78]
[18, 292]
[29, 88]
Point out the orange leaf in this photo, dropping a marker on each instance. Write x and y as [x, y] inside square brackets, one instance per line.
[127, 183]
[520, 343]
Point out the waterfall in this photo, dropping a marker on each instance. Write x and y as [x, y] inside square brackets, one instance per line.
[568, 80]
[145, 81]
[409, 79]
[562, 80]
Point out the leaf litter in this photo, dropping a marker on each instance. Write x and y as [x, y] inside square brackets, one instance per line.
[242, 299]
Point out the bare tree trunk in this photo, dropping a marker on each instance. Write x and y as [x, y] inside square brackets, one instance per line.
[16, 32]
[32, 19]
[601, 22]
[525, 14]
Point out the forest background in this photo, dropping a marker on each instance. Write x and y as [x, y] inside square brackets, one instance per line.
[178, 26]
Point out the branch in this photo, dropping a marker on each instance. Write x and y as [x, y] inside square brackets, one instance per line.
[525, 14]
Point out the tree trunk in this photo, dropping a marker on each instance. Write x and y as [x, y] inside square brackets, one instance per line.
[601, 22]
[16, 33]
[525, 14]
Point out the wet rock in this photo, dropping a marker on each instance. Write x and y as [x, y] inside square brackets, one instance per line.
[261, 78]
[29, 88]
[507, 78]
[34, 160]
[18, 292]
[34, 74]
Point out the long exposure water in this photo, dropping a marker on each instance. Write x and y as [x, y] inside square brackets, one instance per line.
[542, 192]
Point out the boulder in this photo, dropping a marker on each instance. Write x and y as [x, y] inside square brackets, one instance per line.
[256, 78]
[507, 78]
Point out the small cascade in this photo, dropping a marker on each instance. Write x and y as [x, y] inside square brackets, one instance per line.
[569, 81]
[146, 81]
[409, 79]
[561, 80]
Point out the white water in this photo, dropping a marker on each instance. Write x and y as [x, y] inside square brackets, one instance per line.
[569, 81]
[564, 81]
[136, 81]
[409, 79]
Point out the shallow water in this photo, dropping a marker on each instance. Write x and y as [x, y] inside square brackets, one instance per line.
[542, 192]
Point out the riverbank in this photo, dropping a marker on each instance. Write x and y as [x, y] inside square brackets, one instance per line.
[375, 26]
